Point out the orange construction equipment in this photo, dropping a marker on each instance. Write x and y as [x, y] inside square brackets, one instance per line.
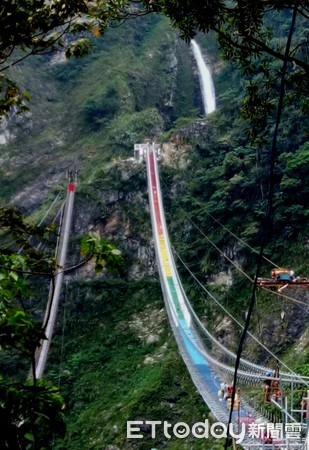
[282, 278]
[281, 274]
[271, 387]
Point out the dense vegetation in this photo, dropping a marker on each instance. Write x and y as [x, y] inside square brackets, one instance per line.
[243, 31]
[89, 113]
[103, 370]
[69, 98]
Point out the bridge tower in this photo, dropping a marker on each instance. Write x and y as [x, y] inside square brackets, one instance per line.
[140, 150]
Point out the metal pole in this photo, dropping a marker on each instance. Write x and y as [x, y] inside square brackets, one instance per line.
[61, 259]
[292, 396]
[307, 418]
[283, 422]
[234, 444]
[302, 410]
[307, 409]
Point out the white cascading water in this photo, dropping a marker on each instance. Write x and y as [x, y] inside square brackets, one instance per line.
[206, 83]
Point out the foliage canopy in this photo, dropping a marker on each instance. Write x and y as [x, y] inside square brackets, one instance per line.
[244, 30]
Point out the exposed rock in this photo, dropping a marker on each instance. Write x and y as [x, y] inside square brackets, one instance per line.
[152, 339]
[224, 327]
[119, 215]
[149, 325]
[302, 343]
[5, 134]
[173, 62]
[225, 333]
[35, 194]
[222, 278]
[58, 58]
[176, 151]
[196, 130]
[175, 154]
[149, 360]
[156, 356]
[87, 270]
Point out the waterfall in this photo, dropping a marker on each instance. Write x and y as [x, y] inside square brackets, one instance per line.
[206, 83]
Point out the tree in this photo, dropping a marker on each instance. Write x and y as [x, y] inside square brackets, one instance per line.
[30, 410]
[32, 27]
[244, 30]
[242, 27]
[36, 25]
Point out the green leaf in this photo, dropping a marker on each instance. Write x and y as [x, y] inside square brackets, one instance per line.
[116, 252]
[13, 275]
[29, 437]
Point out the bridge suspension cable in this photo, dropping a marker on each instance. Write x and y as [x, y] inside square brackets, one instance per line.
[204, 209]
[202, 366]
[279, 294]
[240, 324]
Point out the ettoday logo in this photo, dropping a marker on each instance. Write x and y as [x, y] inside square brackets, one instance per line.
[181, 430]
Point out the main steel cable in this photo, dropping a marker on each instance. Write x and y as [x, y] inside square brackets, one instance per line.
[47, 212]
[279, 294]
[59, 213]
[221, 225]
[234, 318]
[235, 235]
[217, 343]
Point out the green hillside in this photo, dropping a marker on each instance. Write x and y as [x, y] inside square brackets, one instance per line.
[114, 357]
[83, 112]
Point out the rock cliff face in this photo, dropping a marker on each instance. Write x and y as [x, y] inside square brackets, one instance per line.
[119, 211]
[59, 132]
[116, 206]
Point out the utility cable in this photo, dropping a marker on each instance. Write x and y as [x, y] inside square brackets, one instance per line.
[279, 294]
[235, 236]
[42, 220]
[221, 225]
[269, 213]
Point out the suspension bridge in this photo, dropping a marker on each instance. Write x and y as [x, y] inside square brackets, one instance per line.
[209, 362]
[204, 364]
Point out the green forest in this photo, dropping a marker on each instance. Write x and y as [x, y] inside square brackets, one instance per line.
[232, 181]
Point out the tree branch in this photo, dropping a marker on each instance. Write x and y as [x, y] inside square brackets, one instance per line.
[34, 51]
[260, 46]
